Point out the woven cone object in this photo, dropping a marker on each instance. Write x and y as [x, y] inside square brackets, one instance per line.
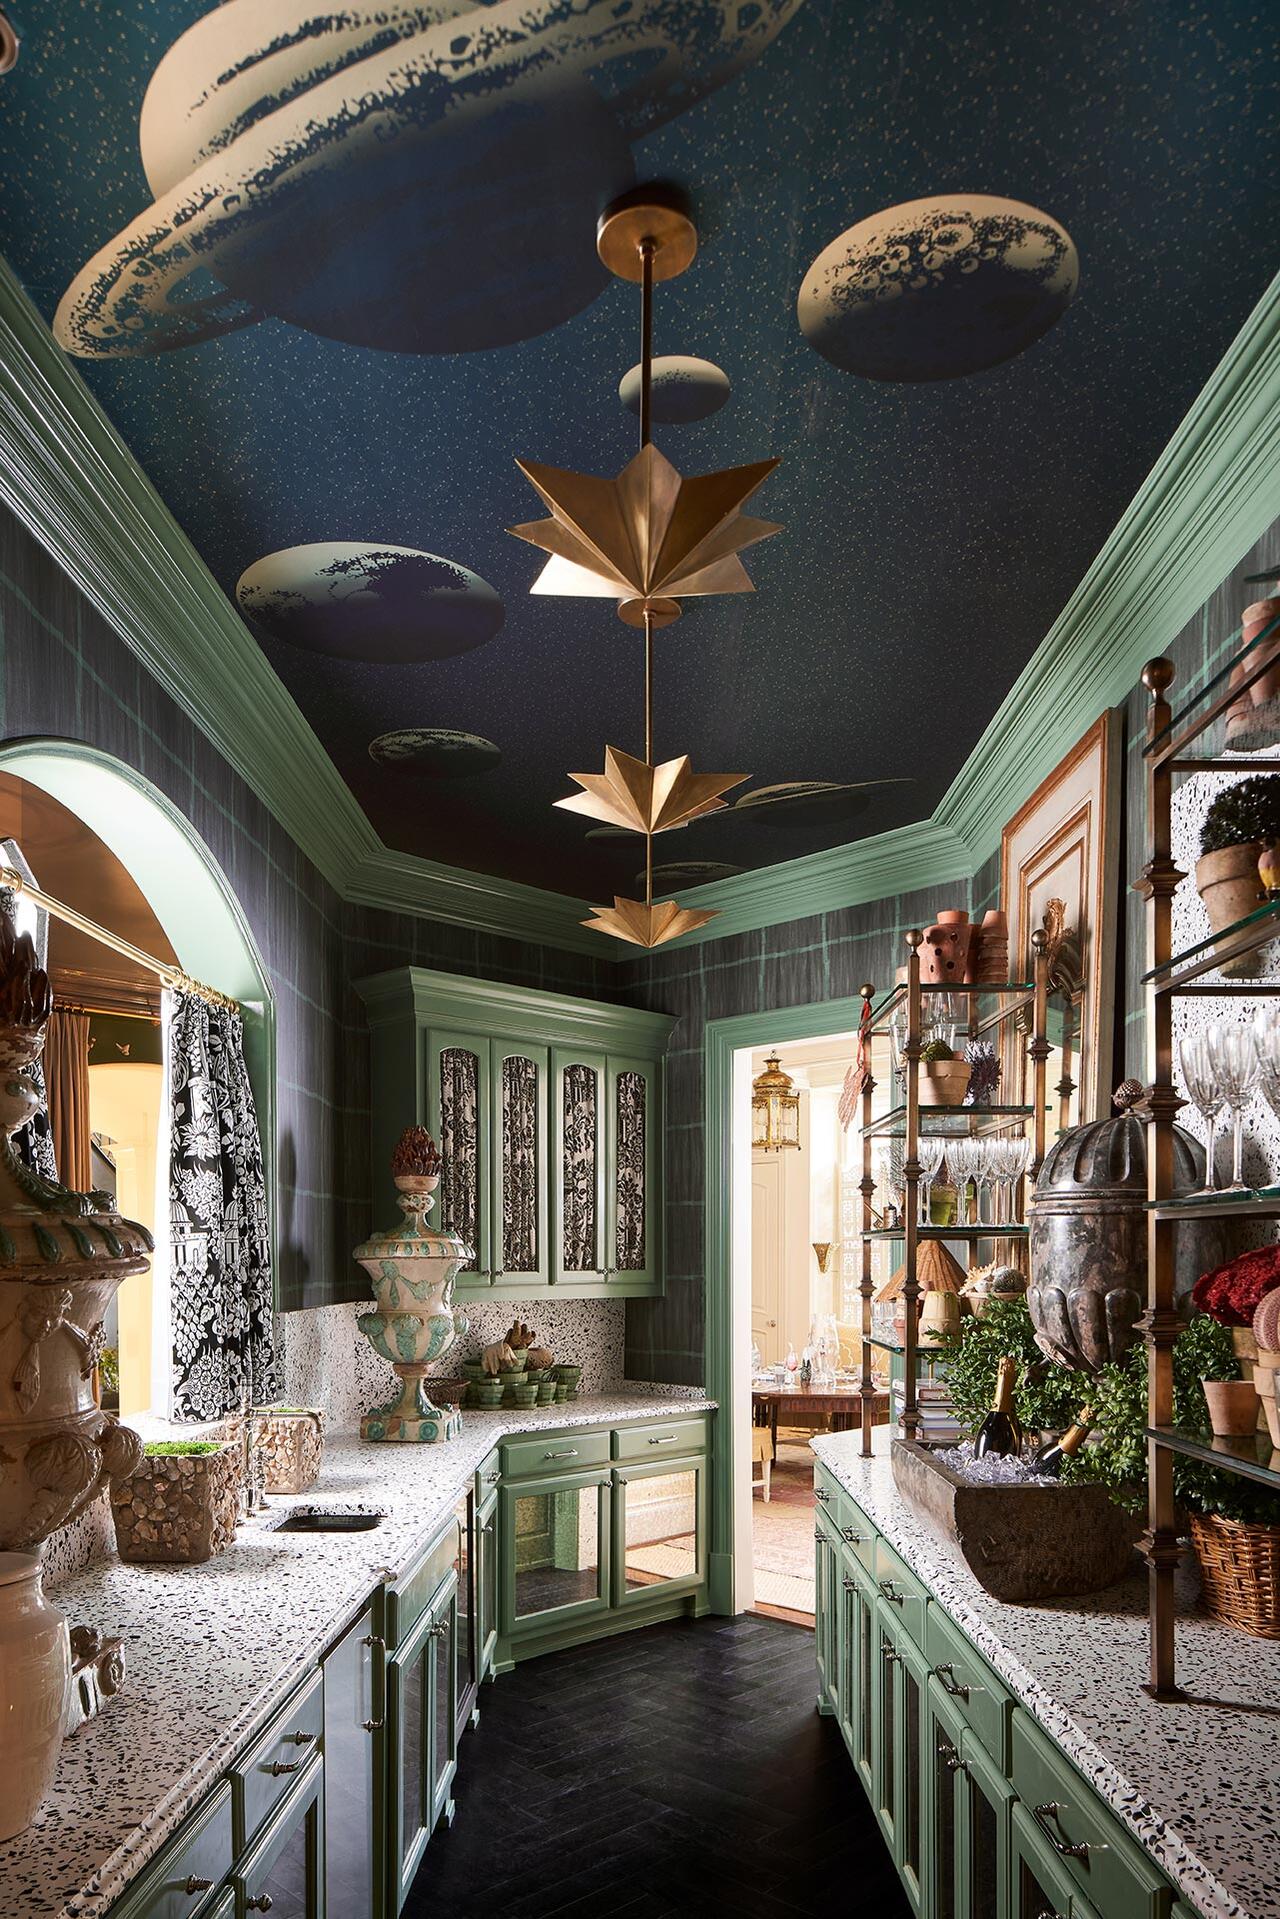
[936, 1272]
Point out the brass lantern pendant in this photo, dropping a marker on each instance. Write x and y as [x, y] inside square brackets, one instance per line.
[775, 1108]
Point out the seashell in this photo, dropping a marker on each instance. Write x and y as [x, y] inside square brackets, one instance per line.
[540, 1357]
[1266, 1321]
[497, 1358]
[519, 1336]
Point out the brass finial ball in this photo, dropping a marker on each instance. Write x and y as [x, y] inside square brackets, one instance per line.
[1158, 675]
[914, 938]
[867, 990]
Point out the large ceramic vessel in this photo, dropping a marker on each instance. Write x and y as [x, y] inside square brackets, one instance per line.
[35, 1681]
[415, 1323]
[1088, 1237]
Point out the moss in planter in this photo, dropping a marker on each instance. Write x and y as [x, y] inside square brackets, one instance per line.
[1248, 810]
[182, 1448]
[937, 1049]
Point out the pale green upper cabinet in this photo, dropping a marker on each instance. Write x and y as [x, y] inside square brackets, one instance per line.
[548, 1113]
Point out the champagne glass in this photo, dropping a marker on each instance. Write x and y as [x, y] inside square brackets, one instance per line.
[929, 1152]
[1017, 1163]
[962, 1165]
[1266, 1038]
[1206, 1095]
[984, 1179]
[1234, 1054]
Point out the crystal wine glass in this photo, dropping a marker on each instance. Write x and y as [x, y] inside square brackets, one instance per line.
[1266, 1038]
[962, 1164]
[1234, 1055]
[986, 1157]
[1015, 1161]
[1200, 1078]
[929, 1152]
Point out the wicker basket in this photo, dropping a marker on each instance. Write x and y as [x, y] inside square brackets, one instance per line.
[1239, 1572]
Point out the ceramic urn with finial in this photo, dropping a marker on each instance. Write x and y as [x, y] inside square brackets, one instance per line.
[415, 1323]
[62, 1257]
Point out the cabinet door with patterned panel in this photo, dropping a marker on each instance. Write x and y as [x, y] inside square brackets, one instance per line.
[520, 1231]
[579, 1100]
[633, 1143]
[459, 1095]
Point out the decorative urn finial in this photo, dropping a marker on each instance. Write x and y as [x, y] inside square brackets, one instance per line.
[412, 1267]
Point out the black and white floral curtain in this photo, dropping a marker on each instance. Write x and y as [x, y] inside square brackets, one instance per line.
[220, 1282]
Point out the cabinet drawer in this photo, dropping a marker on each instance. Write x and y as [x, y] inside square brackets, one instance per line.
[901, 1590]
[260, 1780]
[554, 1452]
[488, 1473]
[973, 1689]
[659, 1437]
[182, 1883]
[1093, 1848]
[410, 1598]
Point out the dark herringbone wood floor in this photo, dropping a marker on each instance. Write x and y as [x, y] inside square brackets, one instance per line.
[679, 1770]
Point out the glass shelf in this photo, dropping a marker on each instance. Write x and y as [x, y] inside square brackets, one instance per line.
[1253, 1458]
[934, 1357]
[1253, 931]
[947, 1232]
[1016, 992]
[897, 1117]
[1260, 1203]
[1197, 706]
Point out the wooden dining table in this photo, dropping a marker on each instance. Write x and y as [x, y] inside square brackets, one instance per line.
[798, 1403]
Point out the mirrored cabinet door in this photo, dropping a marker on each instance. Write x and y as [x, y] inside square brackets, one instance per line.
[555, 1534]
[634, 1131]
[459, 1092]
[578, 1100]
[659, 1519]
[520, 1235]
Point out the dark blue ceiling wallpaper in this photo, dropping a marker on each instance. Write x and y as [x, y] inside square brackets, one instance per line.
[335, 269]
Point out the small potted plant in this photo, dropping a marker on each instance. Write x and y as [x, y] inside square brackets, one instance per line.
[944, 1079]
[180, 1505]
[1232, 1295]
[1242, 823]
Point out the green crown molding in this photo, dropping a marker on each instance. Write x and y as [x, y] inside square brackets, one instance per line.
[68, 476]
[511, 1012]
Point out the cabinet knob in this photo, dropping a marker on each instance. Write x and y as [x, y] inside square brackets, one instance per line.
[890, 1657]
[497, 1275]
[440, 1628]
[279, 1767]
[194, 1885]
[491, 1479]
[848, 1583]
[263, 1903]
[949, 1756]
[302, 1738]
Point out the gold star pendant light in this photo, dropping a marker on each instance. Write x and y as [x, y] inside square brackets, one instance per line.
[647, 539]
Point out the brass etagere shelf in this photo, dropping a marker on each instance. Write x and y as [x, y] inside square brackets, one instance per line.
[1169, 752]
[991, 1008]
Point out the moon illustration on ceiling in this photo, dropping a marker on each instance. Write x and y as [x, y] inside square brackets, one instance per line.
[422, 178]
[684, 389]
[808, 802]
[676, 875]
[937, 288]
[390, 605]
[434, 753]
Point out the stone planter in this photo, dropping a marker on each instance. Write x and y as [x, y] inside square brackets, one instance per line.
[1229, 884]
[290, 1441]
[944, 1082]
[178, 1509]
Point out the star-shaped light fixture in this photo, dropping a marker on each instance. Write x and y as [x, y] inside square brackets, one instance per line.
[647, 539]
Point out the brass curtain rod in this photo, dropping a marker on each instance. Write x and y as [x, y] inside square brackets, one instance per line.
[172, 976]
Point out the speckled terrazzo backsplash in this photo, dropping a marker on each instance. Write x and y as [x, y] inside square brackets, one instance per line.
[328, 1363]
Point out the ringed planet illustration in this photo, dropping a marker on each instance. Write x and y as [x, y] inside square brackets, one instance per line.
[434, 753]
[676, 875]
[938, 288]
[684, 389]
[390, 605]
[808, 802]
[419, 178]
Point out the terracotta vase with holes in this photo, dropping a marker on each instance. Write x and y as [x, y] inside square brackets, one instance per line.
[944, 950]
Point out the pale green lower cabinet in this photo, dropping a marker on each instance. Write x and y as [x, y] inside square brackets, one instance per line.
[422, 1735]
[284, 1873]
[984, 1815]
[355, 1718]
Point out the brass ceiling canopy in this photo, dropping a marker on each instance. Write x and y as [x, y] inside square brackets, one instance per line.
[647, 539]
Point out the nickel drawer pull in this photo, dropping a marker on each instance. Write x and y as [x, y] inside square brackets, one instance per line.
[949, 1756]
[853, 1538]
[890, 1657]
[946, 1678]
[280, 1766]
[376, 1644]
[668, 1439]
[822, 1496]
[891, 1593]
[570, 1453]
[491, 1479]
[848, 1583]
[1080, 1850]
[301, 1738]
[263, 1903]
[1046, 1914]
[194, 1885]
[819, 1537]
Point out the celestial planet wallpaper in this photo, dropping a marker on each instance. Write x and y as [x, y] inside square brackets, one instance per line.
[683, 389]
[936, 289]
[434, 753]
[962, 271]
[374, 603]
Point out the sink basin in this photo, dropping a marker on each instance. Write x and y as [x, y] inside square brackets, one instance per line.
[314, 1519]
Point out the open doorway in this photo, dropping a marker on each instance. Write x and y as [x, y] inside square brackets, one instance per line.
[804, 1273]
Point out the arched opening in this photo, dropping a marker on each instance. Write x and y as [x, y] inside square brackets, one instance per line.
[102, 839]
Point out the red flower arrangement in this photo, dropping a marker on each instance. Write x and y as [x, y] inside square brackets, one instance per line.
[1232, 1293]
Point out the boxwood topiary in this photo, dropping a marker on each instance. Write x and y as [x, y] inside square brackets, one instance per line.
[1247, 810]
[936, 1049]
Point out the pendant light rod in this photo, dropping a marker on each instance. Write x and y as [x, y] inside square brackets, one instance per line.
[646, 251]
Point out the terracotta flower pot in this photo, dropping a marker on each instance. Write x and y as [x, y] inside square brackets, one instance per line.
[1228, 883]
[1265, 1379]
[944, 950]
[1253, 720]
[943, 1082]
[1233, 1407]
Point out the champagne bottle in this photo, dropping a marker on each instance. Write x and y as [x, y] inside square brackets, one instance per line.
[1000, 1433]
[1049, 1457]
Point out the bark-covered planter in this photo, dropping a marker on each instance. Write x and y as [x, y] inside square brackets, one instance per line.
[179, 1508]
[290, 1440]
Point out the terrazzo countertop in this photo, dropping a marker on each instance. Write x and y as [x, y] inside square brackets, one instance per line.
[1197, 1784]
[212, 1650]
